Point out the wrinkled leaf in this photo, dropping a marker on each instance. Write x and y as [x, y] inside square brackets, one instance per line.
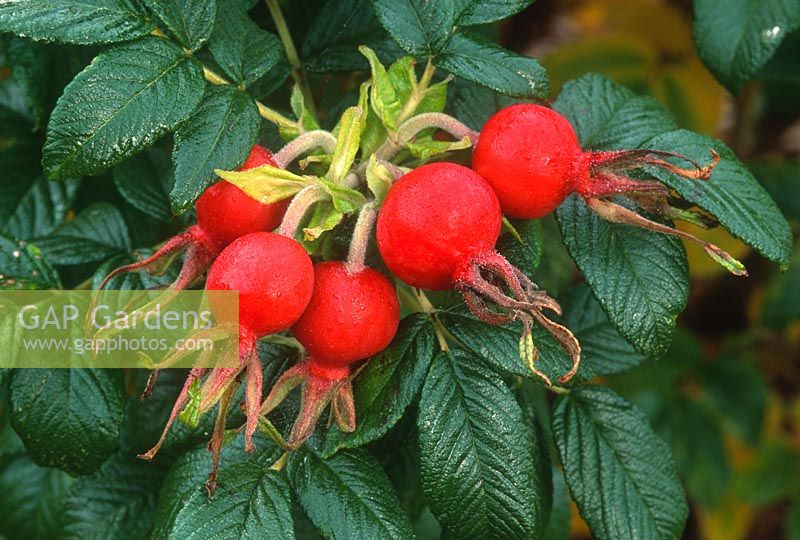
[121, 103]
[219, 135]
[190, 21]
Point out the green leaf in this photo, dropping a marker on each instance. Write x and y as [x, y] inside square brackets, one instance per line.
[384, 98]
[252, 501]
[773, 475]
[474, 104]
[640, 278]
[782, 296]
[379, 179]
[559, 524]
[144, 182]
[347, 496]
[22, 266]
[348, 136]
[84, 22]
[735, 38]
[243, 50]
[603, 349]
[425, 148]
[617, 469]
[35, 207]
[732, 194]
[499, 345]
[95, 234]
[523, 249]
[483, 11]
[331, 43]
[219, 135]
[738, 392]
[118, 501]
[420, 27]
[389, 384]
[699, 451]
[190, 21]
[68, 418]
[793, 520]
[487, 64]
[781, 179]
[476, 463]
[31, 67]
[324, 218]
[32, 498]
[344, 199]
[186, 477]
[608, 116]
[266, 183]
[121, 103]
[302, 112]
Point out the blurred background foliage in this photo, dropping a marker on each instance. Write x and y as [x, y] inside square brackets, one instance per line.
[726, 395]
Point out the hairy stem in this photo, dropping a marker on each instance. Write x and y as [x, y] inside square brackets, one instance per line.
[361, 235]
[304, 143]
[300, 204]
[298, 73]
[306, 198]
[411, 127]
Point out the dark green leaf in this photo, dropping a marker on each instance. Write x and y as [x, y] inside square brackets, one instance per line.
[474, 104]
[483, 11]
[32, 498]
[782, 296]
[95, 234]
[736, 37]
[781, 179]
[126, 99]
[144, 181]
[389, 384]
[608, 116]
[30, 64]
[559, 524]
[190, 21]
[639, 277]
[219, 135]
[68, 418]
[187, 477]
[243, 50]
[699, 451]
[252, 501]
[118, 501]
[524, 254]
[732, 194]
[22, 266]
[487, 64]
[83, 22]
[420, 27]
[34, 207]
[617, 469]
[793, 520]
[347, 496]
[773, 475]
[332, 41]
[499, 345]
[738, 392]
[603, 350]
[476, 461]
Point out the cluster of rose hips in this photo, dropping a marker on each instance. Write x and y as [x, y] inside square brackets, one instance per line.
[436, 230]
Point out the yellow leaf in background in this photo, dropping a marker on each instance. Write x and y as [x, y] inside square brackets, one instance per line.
[624, 59]
[646, 46]
[731, 520]
[700, 264]
[691, 93]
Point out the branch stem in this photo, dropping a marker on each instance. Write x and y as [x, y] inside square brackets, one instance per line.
[304, 143]
[298, 73]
